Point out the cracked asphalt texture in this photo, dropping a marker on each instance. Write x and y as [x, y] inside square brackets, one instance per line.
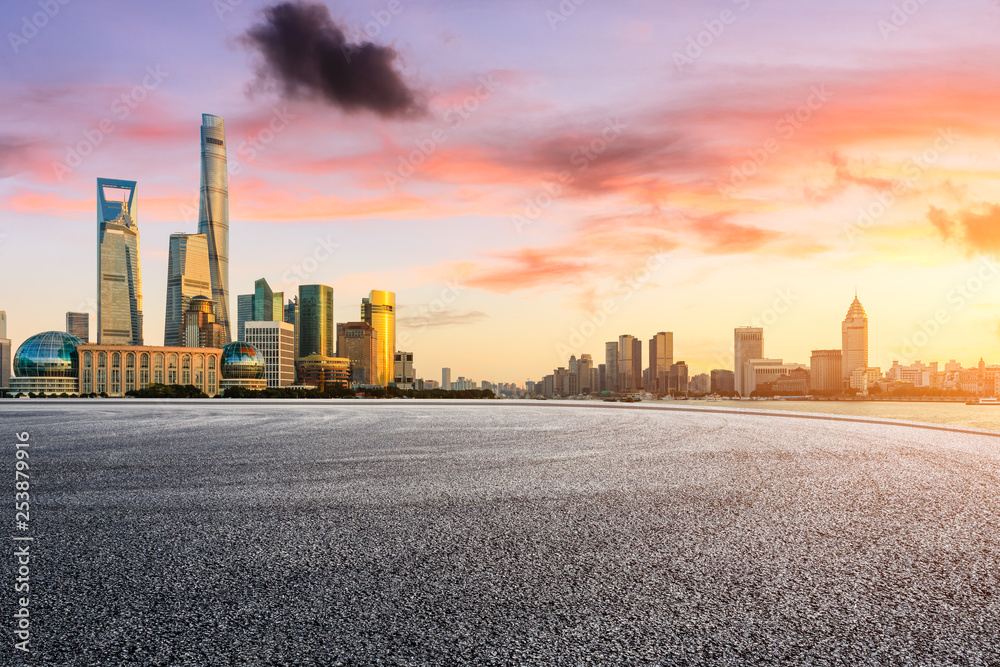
[406, 532]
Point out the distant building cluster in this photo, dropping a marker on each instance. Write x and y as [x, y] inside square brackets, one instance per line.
[623, 373]
[836, 372]
[278, 343]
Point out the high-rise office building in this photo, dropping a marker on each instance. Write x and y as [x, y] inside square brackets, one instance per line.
[585, 383]
[854, 331]
[611, 366]
[200, 328]
[629, 363]
[358, 341]
[77, 324]
[379, 310]
[748, 344]
[661, 356]
[263, 302]
[119, 280]
[188, 276]
[213, 213]
[264, 305]
[244, 313]
[446, 379]
[723, 381]
[292, 317]
[826, 374]
[677, 378]
[5, 352]
[403, 375]
[275, 342]
[316, 330]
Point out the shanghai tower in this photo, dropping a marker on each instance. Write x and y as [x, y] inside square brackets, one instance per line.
[213, 213]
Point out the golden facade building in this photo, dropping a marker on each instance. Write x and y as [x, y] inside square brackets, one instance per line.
[378, 309]
[854, 333]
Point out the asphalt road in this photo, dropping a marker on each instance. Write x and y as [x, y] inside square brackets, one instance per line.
[214, 533]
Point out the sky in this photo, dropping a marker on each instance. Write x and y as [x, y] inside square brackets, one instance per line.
[532, 179]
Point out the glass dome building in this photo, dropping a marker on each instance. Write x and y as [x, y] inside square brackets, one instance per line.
[242, 365]
[47, 363]
[242, 361]
[49, 354]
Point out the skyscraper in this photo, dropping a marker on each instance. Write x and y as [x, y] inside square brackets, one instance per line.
[292, 317]
[611, 366]
[661, 357]
[274, 341]
[200, 328]
[629, 363]
[854, 331]
[213, 213]
[316, 331]
[188, 276]
[5, 352]
[585, 365]
[263, 302]
[446, 379]
[748, 344]
[358, 341]
[264, 305]
[826, 374]
[119, 280]
[379, 310]
[77, 324]
[244, 313]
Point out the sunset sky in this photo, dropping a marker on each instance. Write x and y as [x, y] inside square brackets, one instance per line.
[535, 178]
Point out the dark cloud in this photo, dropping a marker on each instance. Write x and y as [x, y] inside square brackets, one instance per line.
[308, 56]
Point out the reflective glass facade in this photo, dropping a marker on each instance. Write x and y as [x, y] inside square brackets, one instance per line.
[379, 310]
[263, 302]
[48, 354]
[316, 331]
[78, 324]
[242, 361]
[188, 276]
[119, 280]
[213, 213]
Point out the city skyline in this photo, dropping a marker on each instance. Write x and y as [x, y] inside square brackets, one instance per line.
[714, 186]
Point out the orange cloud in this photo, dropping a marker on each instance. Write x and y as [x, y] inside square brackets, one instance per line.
[978, 230]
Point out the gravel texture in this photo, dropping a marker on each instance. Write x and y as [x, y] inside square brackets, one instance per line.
[215, 533]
